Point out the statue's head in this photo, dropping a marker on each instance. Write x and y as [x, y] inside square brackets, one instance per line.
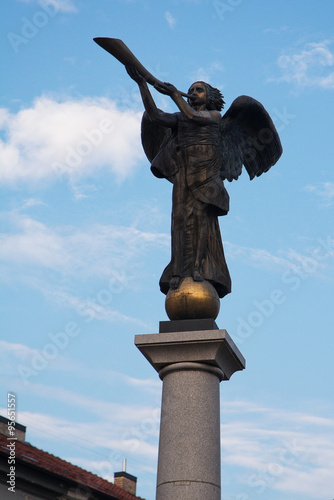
[214, 98]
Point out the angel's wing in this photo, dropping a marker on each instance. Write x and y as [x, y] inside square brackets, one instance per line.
[249, 138]
[159, 146]
[153, 136]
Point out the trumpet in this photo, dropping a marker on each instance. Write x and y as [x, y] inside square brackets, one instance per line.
[123, 54]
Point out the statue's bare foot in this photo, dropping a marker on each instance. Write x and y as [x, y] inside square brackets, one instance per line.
[174, 282]
[197, 275]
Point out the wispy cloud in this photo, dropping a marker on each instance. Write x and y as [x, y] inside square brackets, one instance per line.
[287, 451]
[325, 192]
[277, 31]
[34, 243]
[14, 355]
[70, 138]
[130, 428]
[23, 364]
[57, 5]
[59, 261]
[171, 20]
[207, 73]
[312, 66]
[32, 202]
[67, 250]
[91, 308]
[124, 413]
[257, 257]
[288, 260]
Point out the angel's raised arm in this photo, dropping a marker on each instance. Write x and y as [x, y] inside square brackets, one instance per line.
[154, 113]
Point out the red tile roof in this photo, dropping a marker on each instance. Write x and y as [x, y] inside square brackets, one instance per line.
[47, 462]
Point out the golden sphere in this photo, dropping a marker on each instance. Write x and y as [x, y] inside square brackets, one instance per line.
[192, 300]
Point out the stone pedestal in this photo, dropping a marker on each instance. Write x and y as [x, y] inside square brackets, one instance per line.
[191, 363]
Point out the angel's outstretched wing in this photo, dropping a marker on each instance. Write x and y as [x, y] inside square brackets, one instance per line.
[158, 145]
[153, 136]
[249, 138]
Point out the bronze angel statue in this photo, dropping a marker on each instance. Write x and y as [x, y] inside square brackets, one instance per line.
[196, 148]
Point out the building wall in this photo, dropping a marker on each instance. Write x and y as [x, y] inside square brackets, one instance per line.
[19, 495]
[32, 484]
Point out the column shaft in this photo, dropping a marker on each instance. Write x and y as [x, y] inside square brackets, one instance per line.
[189, 446]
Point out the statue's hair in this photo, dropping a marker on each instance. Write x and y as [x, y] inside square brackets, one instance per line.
[214, 98]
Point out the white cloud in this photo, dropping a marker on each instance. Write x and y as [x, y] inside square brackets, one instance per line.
[90, 308]
[313, 66]
[67, 249]
[19, 351]
[201, 74]
[116, 431]
[102, 468]
[324, 190]
[124, 413]
[276, 31]
[24, 364]
[315, 260]
[312, 261]
[70, 138]
[258, 257]
[32, 202]
[133, 428]
[55, 5]
[17, 357]
[279, 449]
[207, 73]
[170, 20]
[146, 384]
[36, 244]
[59, 262]
[107, 468]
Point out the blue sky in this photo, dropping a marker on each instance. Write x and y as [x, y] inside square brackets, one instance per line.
[85, 235]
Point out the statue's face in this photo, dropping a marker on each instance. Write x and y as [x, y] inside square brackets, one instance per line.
[198, 91]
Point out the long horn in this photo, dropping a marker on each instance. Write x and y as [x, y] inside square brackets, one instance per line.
[123, 54]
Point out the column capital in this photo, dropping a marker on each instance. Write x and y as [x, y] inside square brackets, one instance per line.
[211, 347]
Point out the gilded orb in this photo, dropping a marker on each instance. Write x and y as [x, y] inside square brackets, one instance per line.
[192, 300]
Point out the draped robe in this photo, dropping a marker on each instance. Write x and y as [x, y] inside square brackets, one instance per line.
[190, 158]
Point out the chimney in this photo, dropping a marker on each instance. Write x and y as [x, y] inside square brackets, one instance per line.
[20, 430]
[125, 481]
